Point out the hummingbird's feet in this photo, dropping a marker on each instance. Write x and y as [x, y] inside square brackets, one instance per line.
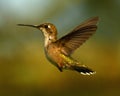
[84, 70]
[60, 69]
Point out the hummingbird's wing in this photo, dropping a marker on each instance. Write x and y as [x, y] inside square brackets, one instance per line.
[78, 36]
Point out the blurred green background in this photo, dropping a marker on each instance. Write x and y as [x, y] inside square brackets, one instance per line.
[24, 70]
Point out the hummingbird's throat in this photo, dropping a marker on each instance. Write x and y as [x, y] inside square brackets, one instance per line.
[49, 39]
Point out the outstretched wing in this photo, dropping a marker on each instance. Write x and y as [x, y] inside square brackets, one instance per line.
[78, 36]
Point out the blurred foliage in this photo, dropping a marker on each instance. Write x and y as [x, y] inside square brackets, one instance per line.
[24, 70]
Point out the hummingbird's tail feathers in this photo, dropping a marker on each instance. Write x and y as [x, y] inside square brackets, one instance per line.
[84, 70]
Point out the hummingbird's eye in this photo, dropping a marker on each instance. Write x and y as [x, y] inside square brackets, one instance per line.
[46, 26]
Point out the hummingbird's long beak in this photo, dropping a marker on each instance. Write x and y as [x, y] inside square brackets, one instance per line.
[35, 26]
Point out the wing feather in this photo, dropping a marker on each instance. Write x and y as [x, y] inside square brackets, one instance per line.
[78, 36]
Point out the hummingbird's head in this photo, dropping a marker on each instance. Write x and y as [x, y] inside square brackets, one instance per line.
[48, 29]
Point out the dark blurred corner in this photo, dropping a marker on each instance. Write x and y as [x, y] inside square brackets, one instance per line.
[24, 70]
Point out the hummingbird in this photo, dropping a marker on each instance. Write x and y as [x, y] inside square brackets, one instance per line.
[58, 51]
